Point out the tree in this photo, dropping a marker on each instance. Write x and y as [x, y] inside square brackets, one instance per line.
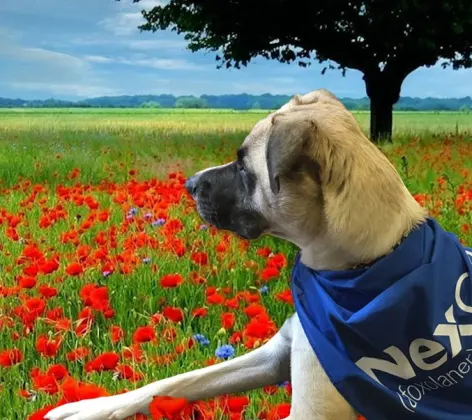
[190, 102]
[385, 40]
[150, 104]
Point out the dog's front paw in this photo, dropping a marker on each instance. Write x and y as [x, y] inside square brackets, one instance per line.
[117, 407]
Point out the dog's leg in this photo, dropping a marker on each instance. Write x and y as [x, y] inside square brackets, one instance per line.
[267, 365]
[314, 397]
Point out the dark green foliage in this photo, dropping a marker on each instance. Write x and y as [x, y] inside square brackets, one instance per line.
[241, 101]
[385, 40]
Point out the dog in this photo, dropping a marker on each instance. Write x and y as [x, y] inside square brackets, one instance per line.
[305, 173]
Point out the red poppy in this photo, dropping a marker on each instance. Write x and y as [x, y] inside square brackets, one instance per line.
[228, 320]
[39, 415]
[10, 357]
[173, 314]
[144, 334]
[278, 412]
[200, 258]
[171, 280]
[105, 361]
[166, 407]
[47, 347]
[74, 269]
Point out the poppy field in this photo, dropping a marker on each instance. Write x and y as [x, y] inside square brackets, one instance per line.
[110, 280]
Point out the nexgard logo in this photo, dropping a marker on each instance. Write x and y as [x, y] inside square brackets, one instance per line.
[406, 366]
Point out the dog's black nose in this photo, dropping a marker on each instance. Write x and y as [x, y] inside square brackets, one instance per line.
[191, 185]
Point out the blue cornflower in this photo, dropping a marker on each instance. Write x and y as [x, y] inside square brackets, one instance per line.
[133, 211]
[158, 222]
[147, 215]
[264, 289]
[224, 352]
[201, 339]
[146, 260]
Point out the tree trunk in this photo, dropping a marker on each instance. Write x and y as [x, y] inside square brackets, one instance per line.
[383, 89]
[381, 119]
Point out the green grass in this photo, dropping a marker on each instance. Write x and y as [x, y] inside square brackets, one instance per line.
[41, 148]
[112, 120]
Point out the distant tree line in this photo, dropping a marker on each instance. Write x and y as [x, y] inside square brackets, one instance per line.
[237, 102]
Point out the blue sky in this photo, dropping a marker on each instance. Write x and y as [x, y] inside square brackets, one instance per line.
[73, 49]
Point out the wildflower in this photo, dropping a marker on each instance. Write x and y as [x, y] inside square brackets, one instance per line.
[173, 314]
[237, 404]
[10, 357]
[166, 407]
[199, 258]
[228, 320]
[74, 269]
[201, 339]
[280, 411]
[105, 361]
[269, 273]
[158, 222]
[171, 280]
[225, 351]
[264, 289]
[144, 334]
[47, 347]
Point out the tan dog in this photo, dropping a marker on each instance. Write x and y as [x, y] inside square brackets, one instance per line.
[305, 173]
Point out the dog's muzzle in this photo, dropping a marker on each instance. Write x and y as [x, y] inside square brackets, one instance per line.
[191, 185]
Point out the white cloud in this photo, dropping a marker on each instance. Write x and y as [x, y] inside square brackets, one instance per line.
[148, 44]
[164, 64]
[98, 59]
[155, 63]
[126, 22]
[80, 90]
[17, 52]
[32, 69]
[132, 44]
[123, 24]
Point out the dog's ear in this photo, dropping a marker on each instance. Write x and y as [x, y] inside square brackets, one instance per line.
[287, 138]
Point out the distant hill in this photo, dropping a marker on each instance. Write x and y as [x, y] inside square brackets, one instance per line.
[239, 102]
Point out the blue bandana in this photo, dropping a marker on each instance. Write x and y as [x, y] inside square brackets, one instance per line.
[396, 338]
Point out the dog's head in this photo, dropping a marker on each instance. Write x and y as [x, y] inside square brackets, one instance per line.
[307, 172]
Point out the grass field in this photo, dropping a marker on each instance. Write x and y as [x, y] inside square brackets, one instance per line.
[107, 273]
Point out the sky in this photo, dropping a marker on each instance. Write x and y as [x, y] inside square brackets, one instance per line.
[76, 49]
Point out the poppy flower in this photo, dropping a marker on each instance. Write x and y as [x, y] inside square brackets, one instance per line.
[280, 411]
[171, 280]
[10, 357]
[39, 415]
[228, 320]
[144, 334]
[166, 407]
[199, 258]
[105, 361]
[47, 347]
[173, 314]
[74, 269]
[236, 404]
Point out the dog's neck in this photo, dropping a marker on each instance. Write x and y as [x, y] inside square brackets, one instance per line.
[320, 257]
[325, 254]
